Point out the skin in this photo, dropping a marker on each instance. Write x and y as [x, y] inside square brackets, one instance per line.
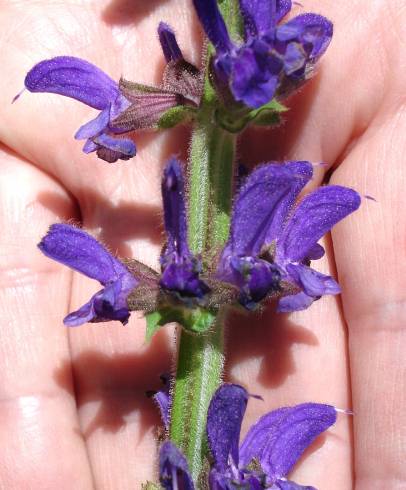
[72, 401]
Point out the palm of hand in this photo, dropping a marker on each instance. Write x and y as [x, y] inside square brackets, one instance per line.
[72, 401]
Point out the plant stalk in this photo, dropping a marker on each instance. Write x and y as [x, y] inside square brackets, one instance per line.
[200, 357]
[210, 184]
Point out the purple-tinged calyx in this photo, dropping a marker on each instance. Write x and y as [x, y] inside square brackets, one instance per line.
[272, 241]
[274, 58]
[81, 252]
[173, 468]
[180, 268]
[173, 101]
[80, 80]
[271, 447]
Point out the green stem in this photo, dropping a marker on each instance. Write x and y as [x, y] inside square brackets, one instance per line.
[200, 358]
[200, 365]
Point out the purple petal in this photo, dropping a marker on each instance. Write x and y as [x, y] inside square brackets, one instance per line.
[313, 283]
[180, 276]
[121, 146]
[112, 303]
[75, 78]
[174, 208]
[316, 252]
[224, 417]
[313, 218]
[290, 485]
[302, 172]
[95, 126]
[256, 278]
[173, 468]
[83, 315]
[213, 24]
[279, 438]
[90, 146]
[258, 202]
[233, 479]
[168, 42]
[108, 304]
[294, 302]
[78, 250]
[294, 59]
[255, 76]
[312, 31]
[261, 16]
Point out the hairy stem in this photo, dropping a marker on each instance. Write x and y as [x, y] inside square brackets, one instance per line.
[210, 182]
[200, 358]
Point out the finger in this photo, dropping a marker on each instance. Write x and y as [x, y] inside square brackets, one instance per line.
[370, 254]
[41, 444]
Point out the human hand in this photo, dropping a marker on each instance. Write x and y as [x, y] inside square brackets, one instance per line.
[74, 410]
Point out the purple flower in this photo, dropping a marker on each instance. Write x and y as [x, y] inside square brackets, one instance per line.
[80, 80]
[274, 58]
[180, 268]
[81, 252]
[271, 447]
[124, 106]
[173, 468]
[272, 241]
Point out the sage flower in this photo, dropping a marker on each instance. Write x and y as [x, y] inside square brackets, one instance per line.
[83, 81]
[81, 252]
[271, 447]
[272, 241]
[180, 268]
[273, 58]
[124, 106]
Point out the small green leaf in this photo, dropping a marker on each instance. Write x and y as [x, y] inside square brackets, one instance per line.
[195, 320]
[268, 115]
[267, 118]
[174, 116]
[154, 321]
